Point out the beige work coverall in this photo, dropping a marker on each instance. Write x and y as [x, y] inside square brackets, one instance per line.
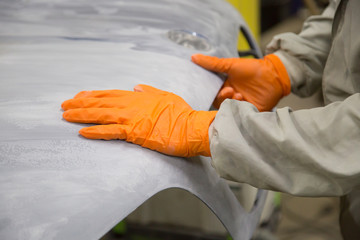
[313, 152]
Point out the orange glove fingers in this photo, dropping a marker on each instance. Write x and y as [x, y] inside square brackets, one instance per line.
[84, 103]
[224, 93]
[118, 93]
[97, 115]
[238, 96]
[127, 133]
[107, 132]
[101, 93]
[118, 102]
[124, 132]
[222, 65]
[149, 89]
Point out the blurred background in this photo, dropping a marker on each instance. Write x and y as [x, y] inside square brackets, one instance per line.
[176, 214]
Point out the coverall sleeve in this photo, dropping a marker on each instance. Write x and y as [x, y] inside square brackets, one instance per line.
[304, 55]
[312, 152]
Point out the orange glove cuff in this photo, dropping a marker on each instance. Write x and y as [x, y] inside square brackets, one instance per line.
[201, 124]
[284, 79]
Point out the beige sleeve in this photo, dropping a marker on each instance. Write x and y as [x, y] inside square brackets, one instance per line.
[304, 55]
[307, 152]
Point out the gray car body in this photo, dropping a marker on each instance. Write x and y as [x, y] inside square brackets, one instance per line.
[54, 184]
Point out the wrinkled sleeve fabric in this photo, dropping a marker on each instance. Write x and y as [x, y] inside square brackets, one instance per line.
[306, 153]
[304, 55]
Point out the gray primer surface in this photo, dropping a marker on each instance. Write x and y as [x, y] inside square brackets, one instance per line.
[55, 184]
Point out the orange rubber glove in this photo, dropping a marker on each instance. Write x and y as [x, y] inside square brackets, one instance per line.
[262, 82]
[149, 117]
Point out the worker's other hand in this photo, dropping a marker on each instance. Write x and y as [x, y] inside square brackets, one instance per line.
[262, 82]
[149, 117]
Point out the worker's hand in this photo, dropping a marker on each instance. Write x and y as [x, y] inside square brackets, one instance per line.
[149, 117]
[262, 82]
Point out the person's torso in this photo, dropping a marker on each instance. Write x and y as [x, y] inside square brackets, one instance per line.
[341, 77]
